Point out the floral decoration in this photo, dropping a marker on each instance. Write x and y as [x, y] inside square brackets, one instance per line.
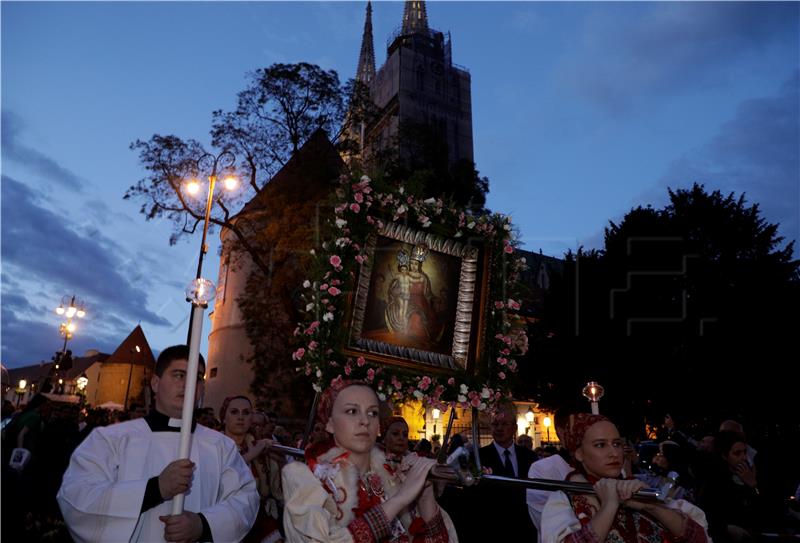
[360, 211]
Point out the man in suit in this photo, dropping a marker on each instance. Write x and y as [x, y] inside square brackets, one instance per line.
[502, 511]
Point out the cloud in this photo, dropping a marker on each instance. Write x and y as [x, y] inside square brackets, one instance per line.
[40, 245]
[672, 47]
[37, 162]
[756, 153]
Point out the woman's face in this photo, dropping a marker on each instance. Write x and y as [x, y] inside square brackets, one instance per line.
[737, 454]
[238, 417]
[415, 265]
[600, 451]
[396, 438]
[354, 419]
[660, 460]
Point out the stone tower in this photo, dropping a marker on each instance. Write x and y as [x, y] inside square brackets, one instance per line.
[419, 83]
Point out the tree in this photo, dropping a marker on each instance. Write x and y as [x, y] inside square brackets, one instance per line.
[279, 109]
[676, 300]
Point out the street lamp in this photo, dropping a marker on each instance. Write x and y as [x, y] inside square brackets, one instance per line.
[547, 422]
[224, 161]
[70, 308]
[21, 389]
[530, 417]
[436, 414]
[136, 349]
[81, 383]
[593, 392]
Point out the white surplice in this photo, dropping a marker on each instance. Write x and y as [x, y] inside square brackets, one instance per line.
[103, 488]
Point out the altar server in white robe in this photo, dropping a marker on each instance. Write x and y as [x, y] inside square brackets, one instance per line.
[121, 480]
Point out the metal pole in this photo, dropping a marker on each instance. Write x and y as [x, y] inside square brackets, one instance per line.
[212, 181]
[127, 390]
[310, 421]
[188, 396]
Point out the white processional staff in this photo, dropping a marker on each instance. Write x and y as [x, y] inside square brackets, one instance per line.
[593, 392]
[199, 293]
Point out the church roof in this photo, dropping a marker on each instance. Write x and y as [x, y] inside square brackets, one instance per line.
[127, 351]
[315, 165]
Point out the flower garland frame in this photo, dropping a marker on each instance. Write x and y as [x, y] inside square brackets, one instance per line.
[359, 212]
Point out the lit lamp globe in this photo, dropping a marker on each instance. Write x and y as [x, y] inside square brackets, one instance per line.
[593, 392]
[82, 381]
[200, 292]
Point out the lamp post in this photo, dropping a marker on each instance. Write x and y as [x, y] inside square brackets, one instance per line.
[136, 349]
[21, 389]
[593, 392]
[70, 309]
[223, 161]
[529, 417]
[436, 414]
[81, 383]
[547, 422]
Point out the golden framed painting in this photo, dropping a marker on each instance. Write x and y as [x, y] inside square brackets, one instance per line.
[419, 301]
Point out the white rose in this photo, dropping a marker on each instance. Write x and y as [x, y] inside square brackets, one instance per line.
[341, 223]
[310, 306]
[481, 406]
[463, 389]
[306, 283]
[462, 399]
[401, 190]
[418, 395]
[429, 201]
[485, 393]
[382, 396]
[327, 317]
[319, 373]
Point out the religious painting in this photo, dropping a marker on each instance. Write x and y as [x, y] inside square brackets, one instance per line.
[415, 298]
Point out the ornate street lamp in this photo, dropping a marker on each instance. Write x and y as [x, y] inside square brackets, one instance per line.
[593, 392]
[21, 389]
[69, 307]
[224, 161]
[529, 417]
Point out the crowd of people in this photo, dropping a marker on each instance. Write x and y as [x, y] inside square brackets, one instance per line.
[100, 476]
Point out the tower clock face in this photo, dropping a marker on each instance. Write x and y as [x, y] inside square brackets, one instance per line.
[437, 68]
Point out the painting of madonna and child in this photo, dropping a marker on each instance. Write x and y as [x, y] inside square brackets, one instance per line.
[412, 297]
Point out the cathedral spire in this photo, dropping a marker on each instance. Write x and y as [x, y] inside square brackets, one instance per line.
[366, 58]
[415, 17]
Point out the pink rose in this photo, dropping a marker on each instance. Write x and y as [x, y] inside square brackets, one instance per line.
[424, 383]
[360, 361]
[312, 345]
[508, 249]
[298, 354]
[499, 305]
[370, 374]
[333, 291]
[348, 369]
[370, 220]
[335, 261]
[502, 361]
[360, 259]
[475, 401]
[358, 197]
[323, 286]
[355, 208]
[451, 381]
[501, 375]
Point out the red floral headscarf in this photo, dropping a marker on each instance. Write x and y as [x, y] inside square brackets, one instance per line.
[577, 427]
[324, 410]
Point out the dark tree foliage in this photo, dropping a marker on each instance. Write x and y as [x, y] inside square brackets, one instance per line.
[419, 159]
[689, 309]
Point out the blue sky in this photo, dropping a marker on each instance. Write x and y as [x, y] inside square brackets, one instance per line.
[580, 112]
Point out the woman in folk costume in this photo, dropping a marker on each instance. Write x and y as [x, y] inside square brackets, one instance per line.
[612, 515]
[347, 492]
